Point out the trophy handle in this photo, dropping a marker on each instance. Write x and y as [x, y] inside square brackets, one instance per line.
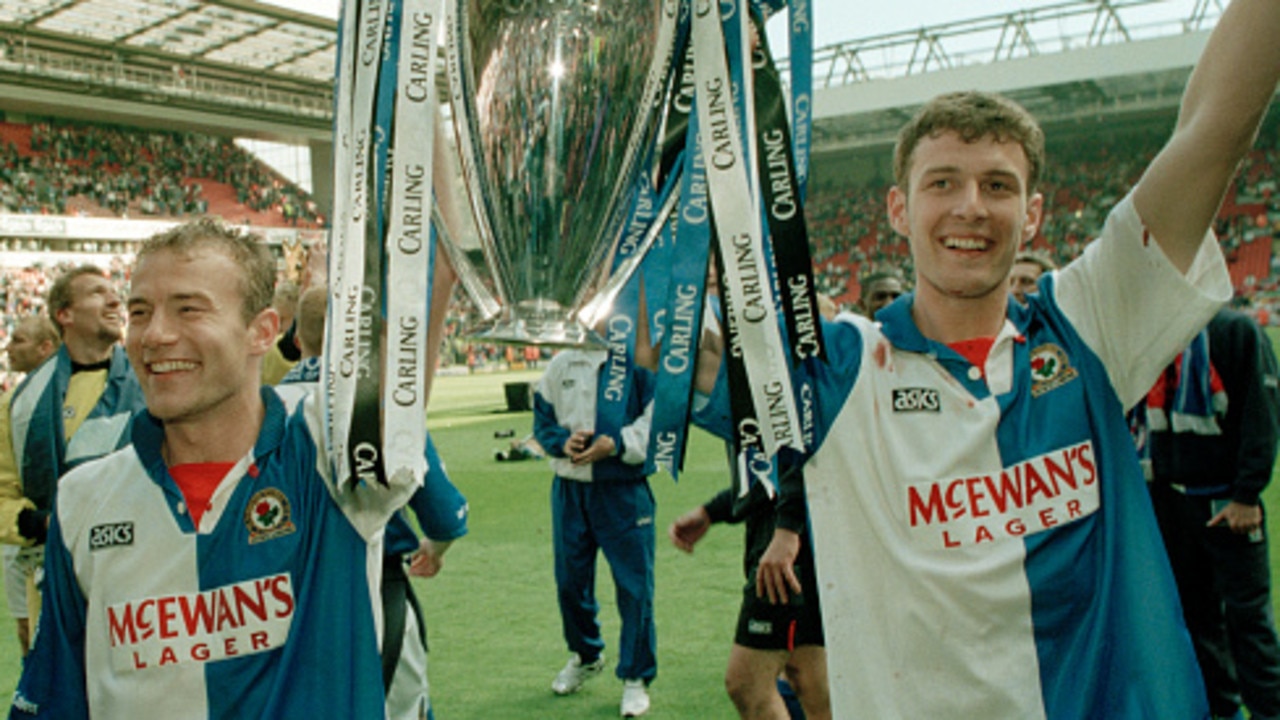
[595, 309]
[486, 304]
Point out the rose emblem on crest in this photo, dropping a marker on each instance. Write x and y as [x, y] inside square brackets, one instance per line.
[267, 516]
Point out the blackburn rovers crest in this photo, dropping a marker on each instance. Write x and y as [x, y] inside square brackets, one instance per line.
[1050, 369]
[267, 517]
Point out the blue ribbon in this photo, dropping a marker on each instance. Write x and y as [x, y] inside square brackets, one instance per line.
[801, 63]
[668, 432]
[620, 326]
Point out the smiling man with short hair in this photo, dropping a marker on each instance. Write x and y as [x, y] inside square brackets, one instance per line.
[984, 543]
[216, 567]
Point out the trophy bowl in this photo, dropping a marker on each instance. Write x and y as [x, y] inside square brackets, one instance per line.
[555, 105]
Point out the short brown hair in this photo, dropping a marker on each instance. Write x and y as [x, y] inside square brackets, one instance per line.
[286, 295]
[257, 265]
[60, 296]
[972, 115]
[1035, 258]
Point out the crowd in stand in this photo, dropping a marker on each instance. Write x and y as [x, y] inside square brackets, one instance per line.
[849, 230]
[131, 173]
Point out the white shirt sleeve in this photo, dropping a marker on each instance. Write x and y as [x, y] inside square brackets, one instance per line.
[1132, 306]
[635, 437]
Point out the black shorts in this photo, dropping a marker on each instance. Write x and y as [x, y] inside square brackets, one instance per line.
[763, 626]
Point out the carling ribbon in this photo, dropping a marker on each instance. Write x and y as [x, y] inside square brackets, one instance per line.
[784, 210]
[363, 29]
[668, 432]
[364, 437]
[752, 464]
[754, 333]
[661, 259]
[656, 271]
[800, 41]
[620, 324]
[409, 242]
[801, 66]
[342, 118]
[375, 364]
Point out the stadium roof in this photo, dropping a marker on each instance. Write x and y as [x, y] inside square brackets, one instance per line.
[240, 33]
[1068, 63]
[227, 67]
[259, 70]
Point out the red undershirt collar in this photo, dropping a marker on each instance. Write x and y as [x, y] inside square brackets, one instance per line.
[198, 481]
[975, 350]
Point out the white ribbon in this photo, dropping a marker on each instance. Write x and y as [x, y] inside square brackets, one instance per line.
[408, 242]
[747, 272]
[353, 114]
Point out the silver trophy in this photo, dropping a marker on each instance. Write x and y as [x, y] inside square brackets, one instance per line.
[555, 104]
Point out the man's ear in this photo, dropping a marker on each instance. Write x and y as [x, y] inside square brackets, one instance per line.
[263, 331]
[1035, 215]
[897, 203]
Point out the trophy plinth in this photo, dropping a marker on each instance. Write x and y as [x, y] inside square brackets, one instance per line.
[537, 322]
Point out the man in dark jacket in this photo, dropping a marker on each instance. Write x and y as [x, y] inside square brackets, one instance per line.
[1214, 427]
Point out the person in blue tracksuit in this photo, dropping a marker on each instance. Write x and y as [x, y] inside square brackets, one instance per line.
[600, 501]
[1213, 427]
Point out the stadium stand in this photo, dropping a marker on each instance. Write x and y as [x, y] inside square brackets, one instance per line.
[105, 171]
[57, 168]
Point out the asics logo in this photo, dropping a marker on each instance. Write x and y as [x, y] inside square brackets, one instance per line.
[111, 535]
[916, 400]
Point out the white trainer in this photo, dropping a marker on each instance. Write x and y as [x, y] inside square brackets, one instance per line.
[570, 679]
[635, 698]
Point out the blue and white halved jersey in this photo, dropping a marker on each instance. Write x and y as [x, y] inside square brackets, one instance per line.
[984, 543]
[264, 612]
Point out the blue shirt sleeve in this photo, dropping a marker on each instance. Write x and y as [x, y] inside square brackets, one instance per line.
[53, 676]
[548, 431]
[833, 376]
[441, 509]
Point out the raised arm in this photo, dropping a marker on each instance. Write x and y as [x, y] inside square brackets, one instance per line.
[441, 292]
[1225, 100]
[443, 171]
